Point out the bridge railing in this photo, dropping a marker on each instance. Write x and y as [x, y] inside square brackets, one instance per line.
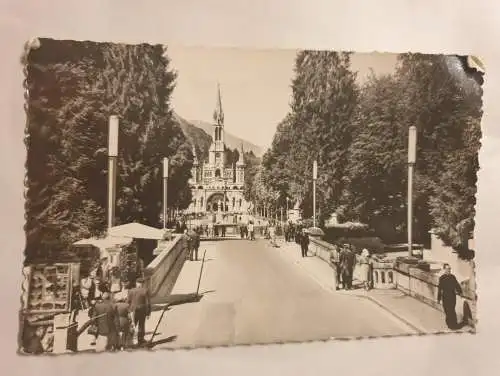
[408, 278]
[164, 270]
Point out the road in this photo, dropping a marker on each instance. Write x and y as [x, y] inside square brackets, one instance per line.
[253, 295]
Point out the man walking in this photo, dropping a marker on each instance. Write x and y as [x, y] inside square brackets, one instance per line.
[448, 288]
[140, 307]
[304, 243]
[347, 262]
[106, 316]
[195, 240]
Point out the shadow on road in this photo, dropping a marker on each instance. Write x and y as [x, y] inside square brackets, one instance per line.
[150, 345]
[159, 303]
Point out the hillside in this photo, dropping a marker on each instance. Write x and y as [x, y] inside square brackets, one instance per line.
[196, 136]
[232, 142]
[199, 133]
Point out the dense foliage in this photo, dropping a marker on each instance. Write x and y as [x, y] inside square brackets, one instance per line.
[74, 88]
[359, 136]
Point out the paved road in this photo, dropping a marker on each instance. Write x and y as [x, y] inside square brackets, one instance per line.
[253, 295]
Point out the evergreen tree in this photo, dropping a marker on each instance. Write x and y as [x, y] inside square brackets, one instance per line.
[74, 88]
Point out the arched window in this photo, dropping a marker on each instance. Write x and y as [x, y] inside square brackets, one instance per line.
[217, 173]
[241, 202]
[234, 201]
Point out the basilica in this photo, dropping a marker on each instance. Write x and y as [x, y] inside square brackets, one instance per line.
[217, 186]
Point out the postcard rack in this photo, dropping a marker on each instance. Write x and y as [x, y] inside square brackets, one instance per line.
[48, 288]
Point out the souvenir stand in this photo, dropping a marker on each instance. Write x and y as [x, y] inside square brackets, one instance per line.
[46, 297]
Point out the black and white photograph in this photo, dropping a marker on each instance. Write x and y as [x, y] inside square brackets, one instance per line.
[189, 197]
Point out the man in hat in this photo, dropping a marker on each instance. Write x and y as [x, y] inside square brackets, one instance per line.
[140, 307]
[106, 316]
[304, 242]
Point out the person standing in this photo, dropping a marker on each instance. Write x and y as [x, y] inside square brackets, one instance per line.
[304, 243]
[124, 321]
[140, 307]
[364, 265]
[87, 287]
[448, 288]
[251, 230]
[196, 245]
[106, 316]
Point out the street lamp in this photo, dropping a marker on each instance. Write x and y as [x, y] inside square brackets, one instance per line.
[315, 176]
[412, 157]
[112, 157]
[165, 190]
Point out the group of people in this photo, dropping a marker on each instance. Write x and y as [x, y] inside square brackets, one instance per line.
[118, 317]
[344, 259]
[193, 242]
[247, 231]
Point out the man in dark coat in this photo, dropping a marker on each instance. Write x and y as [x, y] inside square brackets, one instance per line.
[140, 307]
[448, 288]
[195, 245]
[347, 262]
[107, 321]
[304, 243]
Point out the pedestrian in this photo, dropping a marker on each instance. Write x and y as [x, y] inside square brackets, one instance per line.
[106, 317]
[87, 287]
[195, 245]
[334, 261]
[124, 321]
[347, 262]
[448, 289]
[251, 230]
[304, 243]
[140, 307]
[364, 266]
[189, 244]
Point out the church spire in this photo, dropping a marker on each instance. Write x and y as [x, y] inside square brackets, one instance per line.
[195, 157]
[241, 159]
[219, 113]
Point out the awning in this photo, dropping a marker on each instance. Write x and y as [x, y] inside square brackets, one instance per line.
[104, 243]
[136, 231]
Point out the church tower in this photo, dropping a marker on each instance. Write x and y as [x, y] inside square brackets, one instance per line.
[217, 156]
[195, 170]
[240, 167]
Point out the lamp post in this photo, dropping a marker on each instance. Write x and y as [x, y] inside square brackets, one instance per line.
[287, 200]
[412, 156]
[112, 158]
[315, 176]
[165, 190]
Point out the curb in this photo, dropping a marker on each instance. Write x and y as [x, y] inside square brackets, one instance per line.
[388, 310]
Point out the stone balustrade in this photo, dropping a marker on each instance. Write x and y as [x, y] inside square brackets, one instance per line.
[164, 270]
[407, 277]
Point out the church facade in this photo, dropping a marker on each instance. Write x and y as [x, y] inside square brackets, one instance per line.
[217, 186]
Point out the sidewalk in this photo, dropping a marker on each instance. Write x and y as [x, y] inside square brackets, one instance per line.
[416, 314]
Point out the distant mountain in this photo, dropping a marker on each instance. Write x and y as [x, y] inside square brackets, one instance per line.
[199, 133]
[232, 142]
[196, 136]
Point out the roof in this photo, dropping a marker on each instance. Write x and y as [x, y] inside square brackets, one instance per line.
[137, 231]
[103, 243]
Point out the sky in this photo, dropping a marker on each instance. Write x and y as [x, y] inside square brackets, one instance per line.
[255, 85]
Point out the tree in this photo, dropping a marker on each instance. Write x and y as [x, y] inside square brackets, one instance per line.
[74, 88]
[318, 127]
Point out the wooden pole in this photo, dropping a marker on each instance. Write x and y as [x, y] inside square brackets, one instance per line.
[201, 272]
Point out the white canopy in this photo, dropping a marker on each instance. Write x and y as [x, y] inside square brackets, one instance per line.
[136, 231]
[104, 243]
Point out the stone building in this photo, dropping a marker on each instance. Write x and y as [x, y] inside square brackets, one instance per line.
[216, 185]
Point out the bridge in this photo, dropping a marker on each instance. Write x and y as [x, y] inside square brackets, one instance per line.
[253, 293]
